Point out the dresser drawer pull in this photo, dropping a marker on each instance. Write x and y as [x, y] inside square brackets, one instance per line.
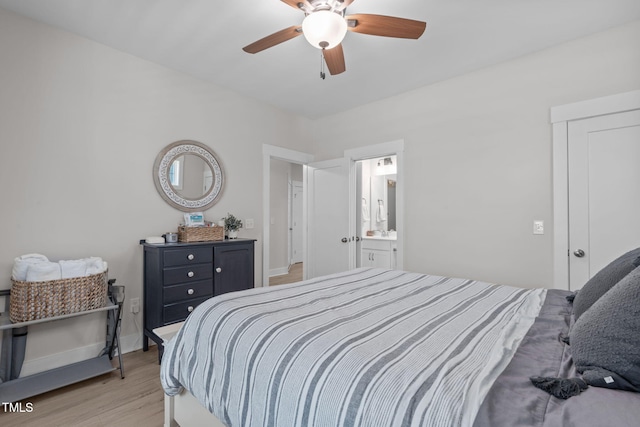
[190, 291]
[190, 257]
[190, 308]
[218, 270]
[191, 274]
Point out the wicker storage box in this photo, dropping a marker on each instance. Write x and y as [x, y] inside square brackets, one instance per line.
[39, 300]
[200, 234]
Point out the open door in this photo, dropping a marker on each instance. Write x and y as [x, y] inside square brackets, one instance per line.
[330, 247]
[297, 221]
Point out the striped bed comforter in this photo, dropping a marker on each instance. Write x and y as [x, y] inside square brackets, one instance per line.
[367, 347]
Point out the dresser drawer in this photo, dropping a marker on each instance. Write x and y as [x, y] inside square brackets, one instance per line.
[180, 311]
[190, 273]
[186, 256]
[185, 291]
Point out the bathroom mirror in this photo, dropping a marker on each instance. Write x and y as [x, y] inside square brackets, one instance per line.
[188, 176]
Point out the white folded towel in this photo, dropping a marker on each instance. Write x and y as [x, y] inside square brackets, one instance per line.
[37, 268]
[381, 215]
[73, 268]
[365, 210]
[43, 271]
[95, 265]
[21, 265]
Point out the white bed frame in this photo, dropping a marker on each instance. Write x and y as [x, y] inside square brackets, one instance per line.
[184, 410]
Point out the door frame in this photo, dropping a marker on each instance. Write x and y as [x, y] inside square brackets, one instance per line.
[279, 153]
[560, 118]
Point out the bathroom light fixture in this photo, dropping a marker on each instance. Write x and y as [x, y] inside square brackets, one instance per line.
[386, 167]
[324, 29]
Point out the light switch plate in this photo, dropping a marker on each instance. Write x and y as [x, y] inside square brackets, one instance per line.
[538, 227]
[248, 223]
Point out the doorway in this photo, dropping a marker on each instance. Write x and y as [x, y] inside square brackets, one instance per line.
[289, 157]
[285, 222]
[315, 226]
[376, 181]
[334, 220]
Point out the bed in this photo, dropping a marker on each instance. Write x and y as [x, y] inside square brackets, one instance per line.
[376, 347]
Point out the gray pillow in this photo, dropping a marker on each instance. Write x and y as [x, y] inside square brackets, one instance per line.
[604, 280]
[605, 340]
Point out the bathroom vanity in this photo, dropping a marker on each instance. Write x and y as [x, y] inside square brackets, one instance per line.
[378, 251]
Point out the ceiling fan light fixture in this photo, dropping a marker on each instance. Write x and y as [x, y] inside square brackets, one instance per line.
[324, 29]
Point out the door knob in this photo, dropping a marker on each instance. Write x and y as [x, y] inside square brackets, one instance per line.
[579, 253]
[344, 240]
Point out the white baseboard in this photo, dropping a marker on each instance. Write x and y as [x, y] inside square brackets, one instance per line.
[281, 271]
[128, 343]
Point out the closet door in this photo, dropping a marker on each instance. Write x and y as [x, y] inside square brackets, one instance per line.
[604, 191]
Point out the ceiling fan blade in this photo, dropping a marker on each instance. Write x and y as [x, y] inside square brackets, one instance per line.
[274, 39]
[295, 4]
[335, 60]
[387, 26]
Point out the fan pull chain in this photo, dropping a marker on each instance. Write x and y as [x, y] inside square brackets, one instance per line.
[322, 74]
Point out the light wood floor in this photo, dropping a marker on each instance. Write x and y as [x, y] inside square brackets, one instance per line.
[137, 400]
[295, 275]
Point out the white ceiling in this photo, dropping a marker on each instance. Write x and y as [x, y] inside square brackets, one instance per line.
[204, 38]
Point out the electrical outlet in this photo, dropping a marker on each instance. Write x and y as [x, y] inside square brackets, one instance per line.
[135, 305]
[248, 223]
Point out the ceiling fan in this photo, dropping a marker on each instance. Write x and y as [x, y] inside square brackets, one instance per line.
[325, 25]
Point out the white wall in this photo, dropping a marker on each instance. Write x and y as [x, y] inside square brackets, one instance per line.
[478, 154]
[80, 127]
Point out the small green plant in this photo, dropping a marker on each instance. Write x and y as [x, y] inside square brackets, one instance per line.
[231, 223]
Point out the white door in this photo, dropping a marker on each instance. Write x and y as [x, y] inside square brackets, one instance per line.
[296, 223]
[329, 245]
[604, 192]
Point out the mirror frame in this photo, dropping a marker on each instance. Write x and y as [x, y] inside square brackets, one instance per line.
[161, 175]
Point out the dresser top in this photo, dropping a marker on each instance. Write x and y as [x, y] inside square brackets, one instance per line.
[189, 244]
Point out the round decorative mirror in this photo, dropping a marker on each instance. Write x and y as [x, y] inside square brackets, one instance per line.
[188, 176]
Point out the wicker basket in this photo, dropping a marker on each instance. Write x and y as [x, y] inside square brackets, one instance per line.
[39, 300]
[200, 234]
